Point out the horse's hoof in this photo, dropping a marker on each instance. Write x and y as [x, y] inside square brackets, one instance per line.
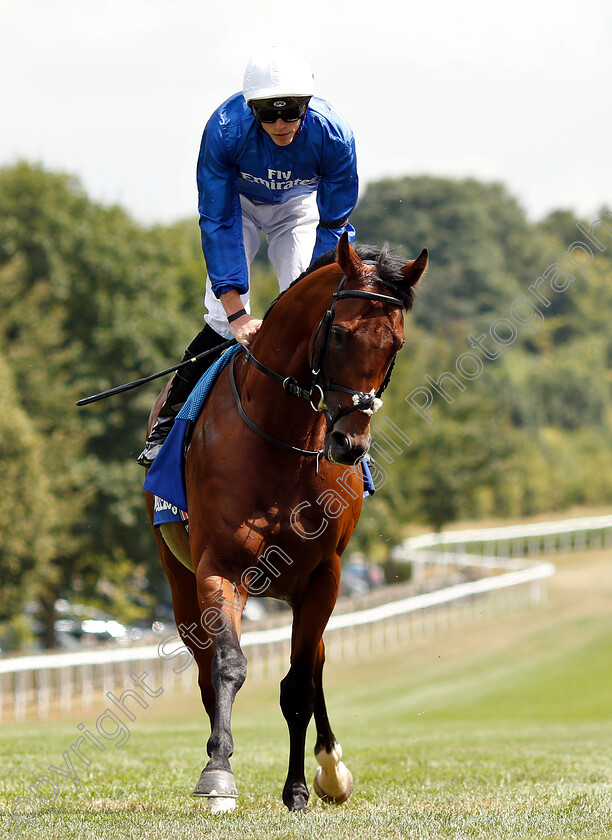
[341, 795]
[221, 804]
[217, 784]
[333, 781]
[295, 797]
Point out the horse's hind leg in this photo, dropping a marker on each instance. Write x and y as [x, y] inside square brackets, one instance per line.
[187, 617]
[333, 781]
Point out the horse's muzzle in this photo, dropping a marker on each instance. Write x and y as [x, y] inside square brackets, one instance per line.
[341, 448]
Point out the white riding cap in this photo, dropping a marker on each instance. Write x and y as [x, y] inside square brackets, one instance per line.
[277, 71]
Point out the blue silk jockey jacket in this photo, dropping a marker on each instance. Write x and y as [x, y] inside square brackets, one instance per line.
[238, 158]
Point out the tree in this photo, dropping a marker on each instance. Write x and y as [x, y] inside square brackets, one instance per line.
[89, 299]
[482, 247]
[27, 515]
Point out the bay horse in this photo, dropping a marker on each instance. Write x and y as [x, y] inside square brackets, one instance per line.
[283, 431]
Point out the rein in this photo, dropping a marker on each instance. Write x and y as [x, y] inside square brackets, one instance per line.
[254, 426]
[367, 402]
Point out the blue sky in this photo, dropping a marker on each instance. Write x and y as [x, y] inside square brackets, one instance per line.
[117, 92]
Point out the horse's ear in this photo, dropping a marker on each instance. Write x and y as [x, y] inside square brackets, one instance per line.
[413, 271]
[347, 258]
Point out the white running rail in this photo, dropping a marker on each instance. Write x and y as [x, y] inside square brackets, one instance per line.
[43, 679]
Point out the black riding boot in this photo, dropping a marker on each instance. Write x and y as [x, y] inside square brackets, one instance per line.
[182, 385]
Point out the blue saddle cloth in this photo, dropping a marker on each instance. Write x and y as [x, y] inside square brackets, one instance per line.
[166, 476]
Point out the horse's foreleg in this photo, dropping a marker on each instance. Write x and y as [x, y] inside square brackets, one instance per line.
[221, 616]
[333, 781]
[310, 617]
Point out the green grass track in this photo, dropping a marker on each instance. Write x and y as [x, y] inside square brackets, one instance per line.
[498, 729]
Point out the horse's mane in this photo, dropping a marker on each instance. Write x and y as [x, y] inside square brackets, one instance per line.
[388, 271]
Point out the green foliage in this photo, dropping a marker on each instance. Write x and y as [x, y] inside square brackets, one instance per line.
[28, 512]
[481, 247]
[494, 448]
[89, 300]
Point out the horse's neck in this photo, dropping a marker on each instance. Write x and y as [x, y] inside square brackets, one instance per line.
[283, 350]
[283, 343]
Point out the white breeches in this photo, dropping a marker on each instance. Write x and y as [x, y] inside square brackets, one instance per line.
[291, 232]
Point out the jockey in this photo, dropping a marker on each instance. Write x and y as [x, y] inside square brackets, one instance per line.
[276, 159]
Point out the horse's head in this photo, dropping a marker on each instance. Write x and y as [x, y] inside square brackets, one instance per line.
[356, 343]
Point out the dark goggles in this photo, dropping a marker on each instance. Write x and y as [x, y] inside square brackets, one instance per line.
[270, 112]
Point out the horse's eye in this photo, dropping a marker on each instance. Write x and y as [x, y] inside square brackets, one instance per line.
[339, 336]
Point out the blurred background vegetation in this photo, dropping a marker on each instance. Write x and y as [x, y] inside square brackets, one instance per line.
[90, 299]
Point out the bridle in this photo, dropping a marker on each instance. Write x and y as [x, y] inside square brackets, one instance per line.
[367, 402]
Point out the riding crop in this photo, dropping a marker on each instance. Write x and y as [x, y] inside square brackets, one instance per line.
[137, 382]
